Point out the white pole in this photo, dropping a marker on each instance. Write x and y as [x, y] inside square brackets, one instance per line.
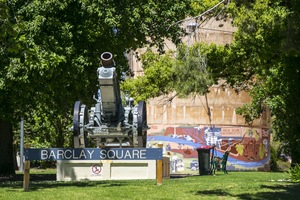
[21, 145]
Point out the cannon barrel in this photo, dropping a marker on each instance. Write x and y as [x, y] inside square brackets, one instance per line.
[109, 89]
[107, 59]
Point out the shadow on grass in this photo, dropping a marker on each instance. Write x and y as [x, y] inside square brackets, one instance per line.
[277, 192]
[39, 185]
[40, 181]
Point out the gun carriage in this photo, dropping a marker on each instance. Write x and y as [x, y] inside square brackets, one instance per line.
[109, 123]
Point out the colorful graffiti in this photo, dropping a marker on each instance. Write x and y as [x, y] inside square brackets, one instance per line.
[248, 147]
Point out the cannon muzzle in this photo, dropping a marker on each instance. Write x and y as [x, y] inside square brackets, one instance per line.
[107, 59]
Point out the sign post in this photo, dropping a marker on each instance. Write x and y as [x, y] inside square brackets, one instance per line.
[26, 172]
[21, 145]
[159, 169]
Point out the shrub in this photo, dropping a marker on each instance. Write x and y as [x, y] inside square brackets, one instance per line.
[283, 166]
[294, 173]
[273, 160]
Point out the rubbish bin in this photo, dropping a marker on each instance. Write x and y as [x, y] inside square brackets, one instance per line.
[204, 160]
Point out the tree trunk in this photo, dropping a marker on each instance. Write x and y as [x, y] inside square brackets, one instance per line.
[60, 133]
[295, 155]
[6, 149]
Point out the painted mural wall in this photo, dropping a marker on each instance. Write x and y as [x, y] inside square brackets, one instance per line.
[248, 147]
[184, 125]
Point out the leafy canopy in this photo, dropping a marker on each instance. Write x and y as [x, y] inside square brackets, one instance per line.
[50, 50]
[188, 73]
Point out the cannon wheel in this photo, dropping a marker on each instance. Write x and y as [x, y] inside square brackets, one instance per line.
[142, 124]
[79, 121]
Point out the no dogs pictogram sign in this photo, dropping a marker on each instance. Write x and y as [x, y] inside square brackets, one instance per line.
[96, 169]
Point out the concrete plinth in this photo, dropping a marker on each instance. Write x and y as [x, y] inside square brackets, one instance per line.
[76, 170]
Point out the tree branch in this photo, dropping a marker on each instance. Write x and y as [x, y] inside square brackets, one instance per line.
[201, 15]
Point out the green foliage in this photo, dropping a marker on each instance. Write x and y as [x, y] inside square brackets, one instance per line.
[157, 78]
[273, 159]
[189, 73]
[191, 70]
[283, 166]
[50, 51]
[263, 59]
[294, 173]
[200, 6]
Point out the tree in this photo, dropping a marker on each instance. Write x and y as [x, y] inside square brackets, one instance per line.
[264, 59]
[8, 30]
[157, 78]
[187, 74]
[50, 52]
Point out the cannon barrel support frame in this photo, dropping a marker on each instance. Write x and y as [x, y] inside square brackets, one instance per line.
[109, 123]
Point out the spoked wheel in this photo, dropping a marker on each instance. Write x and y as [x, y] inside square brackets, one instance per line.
[79, 121]
[142, 124]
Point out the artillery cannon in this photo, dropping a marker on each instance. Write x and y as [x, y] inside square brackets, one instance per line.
[109, 123]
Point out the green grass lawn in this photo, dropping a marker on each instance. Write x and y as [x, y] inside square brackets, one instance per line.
[235, 185]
